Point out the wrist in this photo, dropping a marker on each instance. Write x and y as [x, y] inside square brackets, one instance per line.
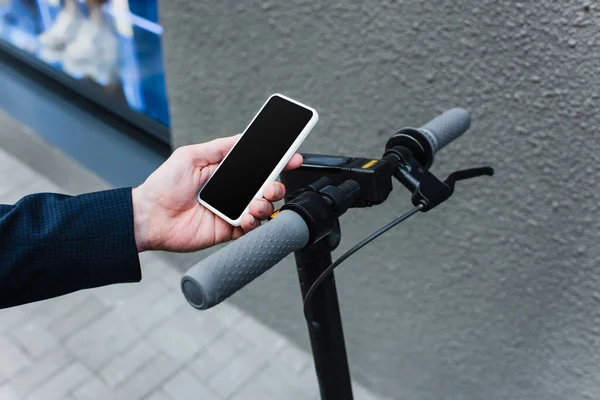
[140, 220]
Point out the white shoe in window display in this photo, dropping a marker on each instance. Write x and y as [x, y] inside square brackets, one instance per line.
[94, 53]
[50, 55]
[62, 32]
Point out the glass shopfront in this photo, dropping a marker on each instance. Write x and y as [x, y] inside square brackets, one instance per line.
[110, 49]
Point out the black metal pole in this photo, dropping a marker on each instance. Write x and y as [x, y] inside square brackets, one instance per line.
[325, 326]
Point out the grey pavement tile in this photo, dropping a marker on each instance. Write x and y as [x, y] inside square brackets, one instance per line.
[185, 333]
[145, 294]
[13, 358]
[9, 317]
[227, 313]
[102, 340]
[175, 342]
[161, 309]
[47, 311]
[147, 379]
[169, 276]
[360, 393]
[204, 326]
[7, 392]
[61, 384]
[115, 295]
[8, 163]
[36, 373]
[293, 358]
[156, 267]
[14, 173]
[254, 390]
[218, 354]
[284, 384]
[28, 184]
[92, 389]
[127, 364]
[90, 309]
[308, 378]
[262, 337]
[28, 309]
[150, 258]
[33, 337]
[157, 395]
[185, 386]
[234, 375]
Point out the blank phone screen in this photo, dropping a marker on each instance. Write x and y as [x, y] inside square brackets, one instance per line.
[255, 156]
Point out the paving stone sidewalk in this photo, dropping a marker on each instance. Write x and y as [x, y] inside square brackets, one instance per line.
[140, 341]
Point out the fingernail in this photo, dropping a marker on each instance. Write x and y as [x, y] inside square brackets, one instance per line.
[252, 220]
[262, 207]
[277, 190]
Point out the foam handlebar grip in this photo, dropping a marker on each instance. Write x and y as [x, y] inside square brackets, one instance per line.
[446, 127]
[226, 271]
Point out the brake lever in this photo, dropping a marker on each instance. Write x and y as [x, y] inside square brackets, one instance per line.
[467, 174]
[426, 188]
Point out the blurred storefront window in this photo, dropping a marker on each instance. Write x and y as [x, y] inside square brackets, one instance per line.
[111, 44]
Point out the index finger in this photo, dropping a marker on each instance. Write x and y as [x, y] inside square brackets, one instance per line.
[295, 162]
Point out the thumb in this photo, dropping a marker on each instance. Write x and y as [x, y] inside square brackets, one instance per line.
[212, 152]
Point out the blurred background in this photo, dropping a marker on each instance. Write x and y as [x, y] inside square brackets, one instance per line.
[114, 45]
[494, 295]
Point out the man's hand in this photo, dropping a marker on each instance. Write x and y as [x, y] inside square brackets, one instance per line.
[167, 215]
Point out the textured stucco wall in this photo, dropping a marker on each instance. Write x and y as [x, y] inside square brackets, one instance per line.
[496, 295]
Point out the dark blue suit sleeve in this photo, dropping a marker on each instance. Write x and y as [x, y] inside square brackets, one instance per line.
[52, 244]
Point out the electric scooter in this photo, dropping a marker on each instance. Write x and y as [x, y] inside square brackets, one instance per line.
[320, 191]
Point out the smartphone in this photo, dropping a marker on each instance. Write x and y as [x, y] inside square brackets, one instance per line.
[258, 157]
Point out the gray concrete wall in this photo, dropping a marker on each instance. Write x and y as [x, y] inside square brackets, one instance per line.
[495, 295]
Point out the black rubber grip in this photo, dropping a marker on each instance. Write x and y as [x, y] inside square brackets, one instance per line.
[228, 270]
[446, 127]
